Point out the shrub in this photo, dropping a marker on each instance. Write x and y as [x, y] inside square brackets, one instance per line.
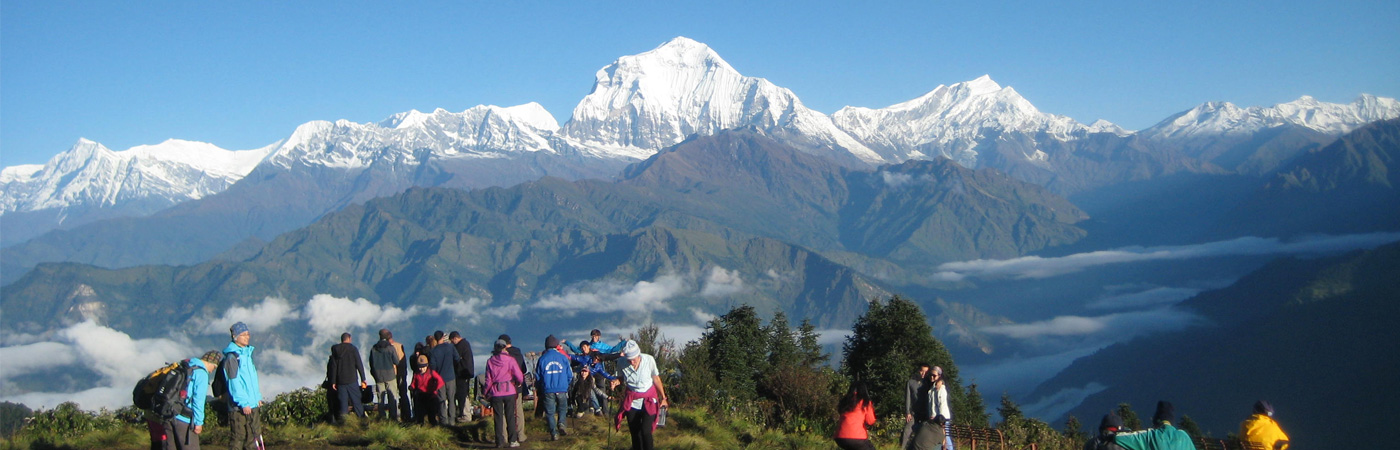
[304, 407]
[12, 416]
[66, 422]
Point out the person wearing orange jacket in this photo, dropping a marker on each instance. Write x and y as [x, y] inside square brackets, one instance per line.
[857, 412]
[1261, 428]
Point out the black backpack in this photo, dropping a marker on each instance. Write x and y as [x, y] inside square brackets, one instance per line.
[220, 383]
[165, 391]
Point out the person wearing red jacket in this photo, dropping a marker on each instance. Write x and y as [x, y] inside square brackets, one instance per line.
[857, 412]
[425, 386]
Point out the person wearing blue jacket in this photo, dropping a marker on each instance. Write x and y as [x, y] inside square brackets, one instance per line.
[589, 366]
[555, 376]
[606, 352]
[182, 431]
[245, 396]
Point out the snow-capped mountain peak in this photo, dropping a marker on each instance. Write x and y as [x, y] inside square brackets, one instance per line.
[1225, 118]
[644, 102]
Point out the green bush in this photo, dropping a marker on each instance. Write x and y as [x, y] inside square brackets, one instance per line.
[66, 422]
[304, 407]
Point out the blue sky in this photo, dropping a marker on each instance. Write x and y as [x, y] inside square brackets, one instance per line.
[242, 75]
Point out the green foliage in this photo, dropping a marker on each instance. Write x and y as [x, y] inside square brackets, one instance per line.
[1130, 418]
[1190, 426]
[884, 345]
[12, 417]
[738, 352]
[66, 422]
[1009, 410]
[305, 407]
[1021, 432]
[696, 384]
[976, 413]
[1074, 430]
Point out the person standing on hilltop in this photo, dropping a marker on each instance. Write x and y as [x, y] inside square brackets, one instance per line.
[503, 375]
[182, 431]
[466, 371]
[644, 398]
[1261, 428]
[553, 370]
[384, 359]
[1163, 435]
[519, 410]
[443, 358]
[425, 387]
[911, 400]
[245, 396]
[941, 407]
[347, 376]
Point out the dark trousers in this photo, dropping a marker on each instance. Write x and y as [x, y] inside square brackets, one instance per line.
[247, 429]
[349, 396]
[180, 436]
[424, 407]
[505, 419]
[462, 401]
[405, 405]
[639, 424]
[854, 444]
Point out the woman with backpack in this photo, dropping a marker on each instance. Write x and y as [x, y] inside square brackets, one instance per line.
[857, 412]
[182, 431]
[502, 375]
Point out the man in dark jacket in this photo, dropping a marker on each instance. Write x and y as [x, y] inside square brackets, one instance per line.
[466, 371]
[384, 360]
[1108, 428]
[442, 358]
[911, 400]
[347, 376]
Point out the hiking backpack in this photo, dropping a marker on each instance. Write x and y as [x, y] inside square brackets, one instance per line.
[219, 389]
[164, 391]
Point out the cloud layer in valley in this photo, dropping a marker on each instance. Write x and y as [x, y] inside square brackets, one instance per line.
[1040, 267]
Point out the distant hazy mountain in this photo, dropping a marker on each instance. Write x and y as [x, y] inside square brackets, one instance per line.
[1258, 139]
[90, 182]
[1351, 185]
[1292, 333]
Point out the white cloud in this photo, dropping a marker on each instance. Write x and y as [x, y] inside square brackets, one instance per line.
[329, 316]
[259, 318]
[1156, 296]
[114, 356]
[36, 357]
[722, 282]
[1120, 325]
[832, 336]
[702, 316]
[1040, 267]
[1051, 407]
[474, 309]
[640, 298]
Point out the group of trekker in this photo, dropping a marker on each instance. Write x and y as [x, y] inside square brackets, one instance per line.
[1259, 430]
[442, 372]
[176, 417]
[928, 422]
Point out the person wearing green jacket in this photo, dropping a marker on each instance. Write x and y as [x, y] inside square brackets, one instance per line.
[1163, 436]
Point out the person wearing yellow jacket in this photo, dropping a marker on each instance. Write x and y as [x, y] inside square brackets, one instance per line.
[1261, 428]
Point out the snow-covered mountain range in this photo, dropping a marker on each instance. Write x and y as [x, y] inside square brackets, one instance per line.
[639, 105]
[90, 174]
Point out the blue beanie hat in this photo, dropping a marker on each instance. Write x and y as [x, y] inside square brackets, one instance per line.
[237, 329]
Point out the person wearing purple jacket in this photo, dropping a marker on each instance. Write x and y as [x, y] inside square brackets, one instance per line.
[503, 374]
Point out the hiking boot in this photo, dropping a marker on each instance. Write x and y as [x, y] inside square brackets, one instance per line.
[563, 432]
[514, 444]
[553, 437]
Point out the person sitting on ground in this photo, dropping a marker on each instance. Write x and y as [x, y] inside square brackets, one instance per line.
[590, 389]
[1108, 427]
[857, 412]
[502, 376]
[426, 385]
[1163, 435]
[1261, 428]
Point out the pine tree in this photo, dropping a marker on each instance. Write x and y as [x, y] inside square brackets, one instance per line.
[811, 351]
[1009, 410]
[738, 350]
[976, 413]
[1190, 426]
[1074, 430]
[885, 342]
[783, 350]
[1130, 418]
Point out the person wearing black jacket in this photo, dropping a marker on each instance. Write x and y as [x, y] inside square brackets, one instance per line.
[347, 376]
[466, 371]
[1108, 427]
[443, 358]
